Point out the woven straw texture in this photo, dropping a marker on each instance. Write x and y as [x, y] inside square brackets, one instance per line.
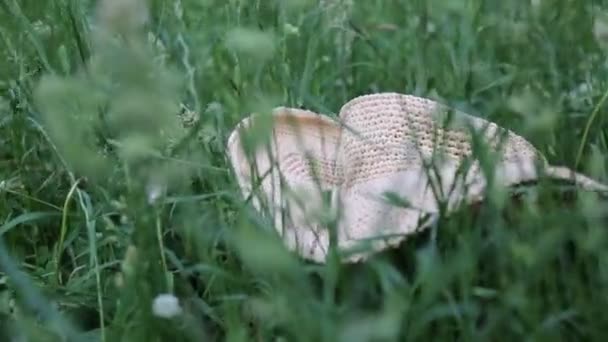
[314, 170]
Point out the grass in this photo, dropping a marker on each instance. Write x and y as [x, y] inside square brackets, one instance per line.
[88, 123]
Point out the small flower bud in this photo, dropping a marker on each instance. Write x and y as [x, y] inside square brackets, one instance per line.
[166, 306]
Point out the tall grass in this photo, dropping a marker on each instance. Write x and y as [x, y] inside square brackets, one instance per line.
[114, 186]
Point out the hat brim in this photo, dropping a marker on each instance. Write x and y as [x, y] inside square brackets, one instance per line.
[295, 178]
[287, 175]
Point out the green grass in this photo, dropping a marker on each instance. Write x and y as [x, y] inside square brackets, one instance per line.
[83, 254]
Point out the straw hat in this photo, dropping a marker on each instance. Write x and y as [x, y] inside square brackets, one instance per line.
[380, 174]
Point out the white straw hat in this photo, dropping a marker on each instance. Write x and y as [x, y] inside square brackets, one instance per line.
[386, 146]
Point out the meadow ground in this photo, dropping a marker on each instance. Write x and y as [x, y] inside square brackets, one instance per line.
[90, 129]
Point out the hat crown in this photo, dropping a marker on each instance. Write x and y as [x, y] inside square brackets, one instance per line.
[389, 132]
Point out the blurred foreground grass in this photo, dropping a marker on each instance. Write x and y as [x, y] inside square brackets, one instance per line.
[106, 201]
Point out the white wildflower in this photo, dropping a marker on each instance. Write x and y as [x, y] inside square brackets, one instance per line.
[166, 306]
[154, 190]
[291, 29]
